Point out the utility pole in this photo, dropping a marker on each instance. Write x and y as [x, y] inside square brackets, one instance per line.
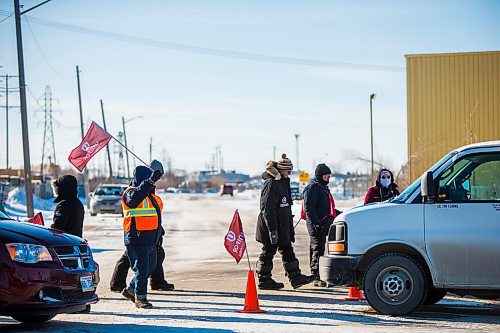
[85, 171]
[24, 114]
[274, 153]
[150, 149]
[372, 97]
[107, 146]
[297, 150]
[7, 107]
[126, 147]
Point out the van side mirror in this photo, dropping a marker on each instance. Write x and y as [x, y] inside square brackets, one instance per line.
[427, 188]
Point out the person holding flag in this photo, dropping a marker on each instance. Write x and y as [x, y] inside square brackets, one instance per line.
[142, 231]
[275, 227]
[157, 279]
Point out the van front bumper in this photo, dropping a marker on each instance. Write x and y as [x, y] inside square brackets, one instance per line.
[339, 270]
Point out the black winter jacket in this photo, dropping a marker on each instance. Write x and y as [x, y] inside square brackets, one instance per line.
[317, 207]
[69, 212]
[68, 216]
[275, 211]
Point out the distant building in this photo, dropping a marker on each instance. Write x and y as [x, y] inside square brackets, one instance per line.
[209, 176]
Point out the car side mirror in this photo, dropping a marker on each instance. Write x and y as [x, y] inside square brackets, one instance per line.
[427, 188]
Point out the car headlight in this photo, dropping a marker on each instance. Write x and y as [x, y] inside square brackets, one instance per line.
[28, 253]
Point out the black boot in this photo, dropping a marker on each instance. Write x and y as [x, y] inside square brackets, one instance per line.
[320, 283]
[317, 281]
[270, 284]
[163, 286]
[302, 280]
[297, 279]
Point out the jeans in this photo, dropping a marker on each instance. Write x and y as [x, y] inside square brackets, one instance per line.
[143, 262]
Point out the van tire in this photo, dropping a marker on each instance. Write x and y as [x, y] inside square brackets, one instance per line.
[434, 295]
[395, 284]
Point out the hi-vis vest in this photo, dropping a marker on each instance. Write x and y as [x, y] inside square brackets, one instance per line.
[144, 215]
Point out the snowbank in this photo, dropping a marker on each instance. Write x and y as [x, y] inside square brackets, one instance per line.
[15, 205]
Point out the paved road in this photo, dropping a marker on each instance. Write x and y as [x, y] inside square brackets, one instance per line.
[210, 286]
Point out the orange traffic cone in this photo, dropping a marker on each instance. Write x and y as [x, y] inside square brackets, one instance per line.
[251, 298]
[355, 295]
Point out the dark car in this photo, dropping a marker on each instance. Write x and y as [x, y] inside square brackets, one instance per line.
[226, 189]
[44, 272]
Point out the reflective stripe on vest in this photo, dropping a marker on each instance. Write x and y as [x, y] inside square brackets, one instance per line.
[144, 216]
[146, 210]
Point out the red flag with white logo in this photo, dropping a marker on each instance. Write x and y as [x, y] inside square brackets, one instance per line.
[95, 139]
[235, 238]
[37, 219]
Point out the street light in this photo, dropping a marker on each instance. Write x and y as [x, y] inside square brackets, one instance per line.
[297, 150]
[125, 138]
[372, 97]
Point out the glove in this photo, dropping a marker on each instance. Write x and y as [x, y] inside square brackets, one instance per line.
[273, 236]
[155, 176]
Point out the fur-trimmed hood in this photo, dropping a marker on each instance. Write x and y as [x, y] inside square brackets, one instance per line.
[271, 171]
[64, 187]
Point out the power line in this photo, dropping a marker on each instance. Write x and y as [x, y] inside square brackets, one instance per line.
[208, 50]
[5, 19]
[43, 53]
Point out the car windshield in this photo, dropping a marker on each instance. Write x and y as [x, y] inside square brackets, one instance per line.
[4, 216]
[416, 184]
[109, 190]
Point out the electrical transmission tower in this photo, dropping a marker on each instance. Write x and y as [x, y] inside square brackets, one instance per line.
[48, 150]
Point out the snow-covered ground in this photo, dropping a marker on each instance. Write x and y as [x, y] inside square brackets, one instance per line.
[210, 286]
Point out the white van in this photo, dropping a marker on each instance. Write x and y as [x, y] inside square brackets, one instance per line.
[442, 234]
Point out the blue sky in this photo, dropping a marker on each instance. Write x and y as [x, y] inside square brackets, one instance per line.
[191, 102]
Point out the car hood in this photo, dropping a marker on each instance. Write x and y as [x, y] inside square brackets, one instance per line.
[108, 197]
[20, 232]
[371, 209]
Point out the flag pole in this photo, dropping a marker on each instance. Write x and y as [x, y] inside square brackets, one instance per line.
[130, 151]
[296, 224]
[248, 258]
[246, 250]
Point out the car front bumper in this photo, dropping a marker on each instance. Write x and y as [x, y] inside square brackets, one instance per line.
[44, 290]
[339, 270]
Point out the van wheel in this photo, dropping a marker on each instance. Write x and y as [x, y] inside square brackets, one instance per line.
[395, 284]
[434, 295]
[33, 319]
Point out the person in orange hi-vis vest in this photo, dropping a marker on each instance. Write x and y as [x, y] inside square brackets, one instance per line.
[142, 211]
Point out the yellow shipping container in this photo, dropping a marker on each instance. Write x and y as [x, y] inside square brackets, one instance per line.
[453, 100]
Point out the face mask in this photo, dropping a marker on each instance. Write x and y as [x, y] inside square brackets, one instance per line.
[385, 182]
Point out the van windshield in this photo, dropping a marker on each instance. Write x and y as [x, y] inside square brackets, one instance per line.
[416, 184]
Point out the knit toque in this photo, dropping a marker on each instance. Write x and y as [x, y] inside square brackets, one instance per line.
[284, 163]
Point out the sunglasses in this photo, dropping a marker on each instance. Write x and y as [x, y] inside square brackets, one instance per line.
[385, 177]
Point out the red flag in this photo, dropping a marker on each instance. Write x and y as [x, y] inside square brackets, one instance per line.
[95, 139]
[37, 219]
[235, 238]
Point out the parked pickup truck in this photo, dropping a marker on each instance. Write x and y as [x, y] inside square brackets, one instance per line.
[440, 235]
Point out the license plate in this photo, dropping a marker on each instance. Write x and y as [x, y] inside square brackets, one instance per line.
[87, 283]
